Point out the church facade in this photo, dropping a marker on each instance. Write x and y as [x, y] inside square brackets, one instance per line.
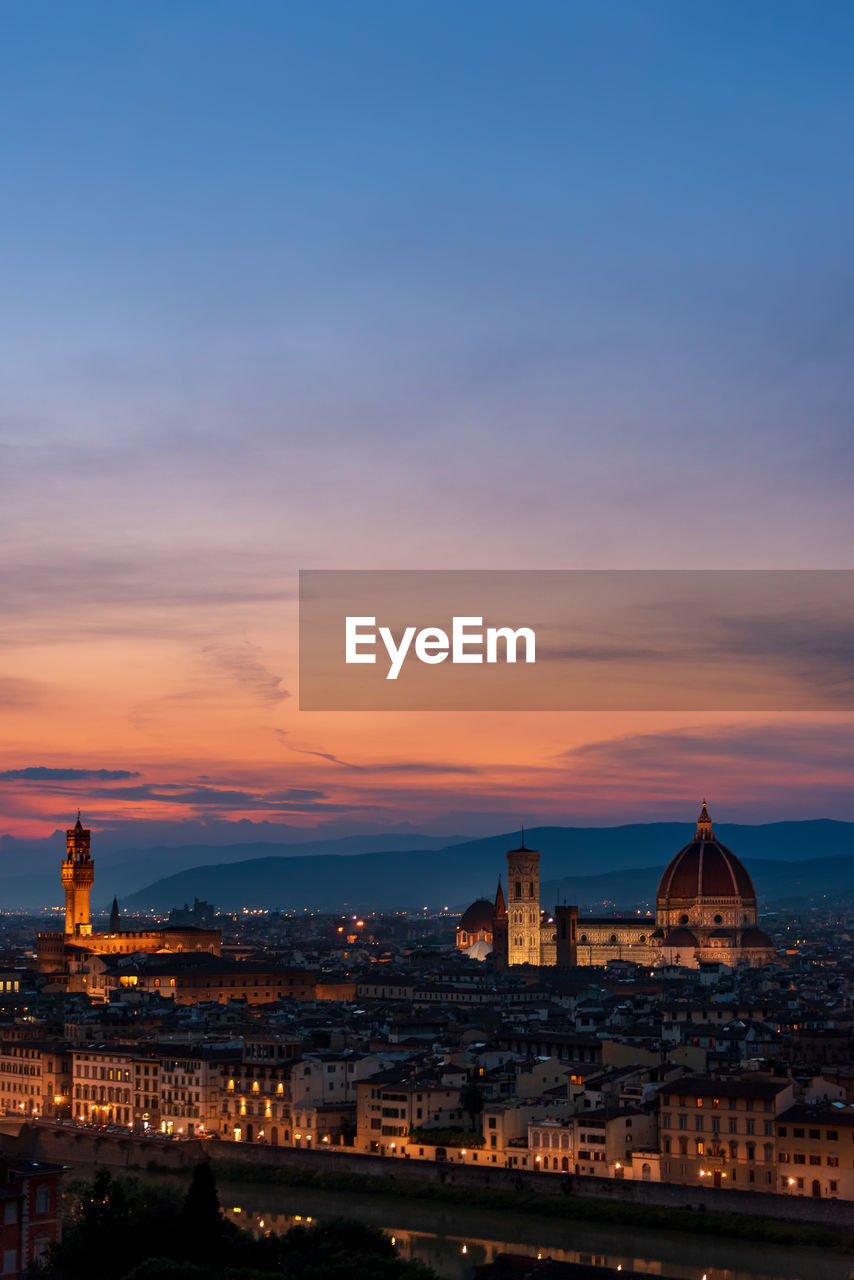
[65, 954]
[706, 911]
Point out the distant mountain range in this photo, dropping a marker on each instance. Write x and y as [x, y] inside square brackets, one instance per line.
[788, 860]
[121, 872]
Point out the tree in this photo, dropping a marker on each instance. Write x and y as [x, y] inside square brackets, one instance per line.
[201, 1224]
[471, 1101]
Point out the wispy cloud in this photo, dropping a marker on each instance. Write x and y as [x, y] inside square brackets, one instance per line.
[44, 773]
[242, 665]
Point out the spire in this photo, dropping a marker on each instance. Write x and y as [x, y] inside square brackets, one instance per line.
[523, 845]
[500, 909]
[78, 826]
[704, 825]
[115, 918]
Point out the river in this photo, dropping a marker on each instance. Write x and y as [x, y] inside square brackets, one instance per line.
[453, 1240]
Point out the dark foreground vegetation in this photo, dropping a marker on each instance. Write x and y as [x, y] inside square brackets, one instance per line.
[125, 1229]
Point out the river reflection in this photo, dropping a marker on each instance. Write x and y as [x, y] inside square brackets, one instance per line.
[453, 1240]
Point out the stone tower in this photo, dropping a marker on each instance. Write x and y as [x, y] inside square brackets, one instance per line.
[78, 873]
[523, 905]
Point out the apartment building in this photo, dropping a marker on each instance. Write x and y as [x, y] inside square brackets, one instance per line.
[815, 1150]
[190, 1084]
[30, 1218]
[600, 1143]
[35, 1078]
[722, 1131]
[103, 1077]
[392, 1103]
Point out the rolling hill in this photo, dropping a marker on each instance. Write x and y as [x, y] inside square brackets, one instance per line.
[787, 859]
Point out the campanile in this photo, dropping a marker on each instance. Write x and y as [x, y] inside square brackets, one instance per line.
[78, 874]
[523, 905]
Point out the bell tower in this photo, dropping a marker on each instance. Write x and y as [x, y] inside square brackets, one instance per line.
[78, 874]
[523, 905]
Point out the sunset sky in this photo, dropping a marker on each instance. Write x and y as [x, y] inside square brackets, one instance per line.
[423, 285]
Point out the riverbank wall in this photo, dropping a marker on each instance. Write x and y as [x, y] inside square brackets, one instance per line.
[82, 1148]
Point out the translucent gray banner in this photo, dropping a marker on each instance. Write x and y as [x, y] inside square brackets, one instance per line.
[577, 640]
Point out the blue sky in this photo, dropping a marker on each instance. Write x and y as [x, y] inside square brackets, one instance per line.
[397, 284]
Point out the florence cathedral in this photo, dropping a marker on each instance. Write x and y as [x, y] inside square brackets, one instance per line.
[705, 911]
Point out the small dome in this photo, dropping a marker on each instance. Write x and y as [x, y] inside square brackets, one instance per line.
[477, 918]
[680, 938]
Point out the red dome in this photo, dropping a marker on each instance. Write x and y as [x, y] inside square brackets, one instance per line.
[477, 918]
[705, 869]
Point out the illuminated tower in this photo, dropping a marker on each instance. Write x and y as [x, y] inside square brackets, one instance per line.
[523, 905]
[78, 873]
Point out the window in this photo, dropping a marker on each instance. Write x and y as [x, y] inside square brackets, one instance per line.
[43, 1199]
[797, 1133]
[833, 1135]
[815, 1135]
